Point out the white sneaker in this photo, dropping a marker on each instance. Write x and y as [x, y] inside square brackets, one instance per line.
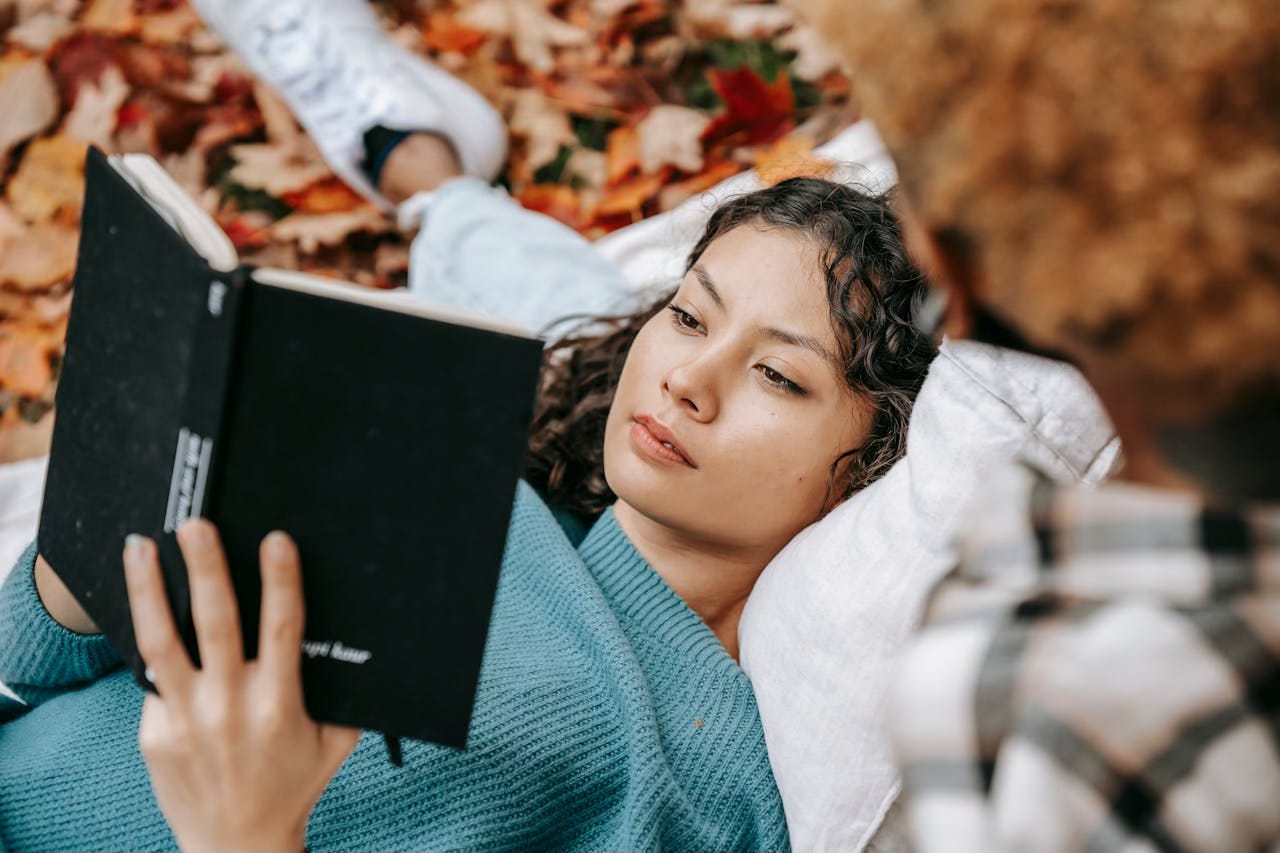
[334, 65]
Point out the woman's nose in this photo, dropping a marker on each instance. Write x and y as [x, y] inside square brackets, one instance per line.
[692, 386]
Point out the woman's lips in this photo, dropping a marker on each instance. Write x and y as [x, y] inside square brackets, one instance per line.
[655, 441]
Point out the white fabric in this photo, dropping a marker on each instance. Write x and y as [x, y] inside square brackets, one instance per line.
[823, 627]
[21, 486]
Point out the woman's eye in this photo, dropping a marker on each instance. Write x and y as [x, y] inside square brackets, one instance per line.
[775, 378]
[685, 321]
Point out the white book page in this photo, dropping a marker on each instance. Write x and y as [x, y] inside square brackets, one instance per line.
[391, 300]
[154, 184]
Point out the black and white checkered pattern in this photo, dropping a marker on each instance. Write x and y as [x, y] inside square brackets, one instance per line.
[1101, 673]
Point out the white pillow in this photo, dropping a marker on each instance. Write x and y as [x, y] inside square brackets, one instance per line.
[823, 626]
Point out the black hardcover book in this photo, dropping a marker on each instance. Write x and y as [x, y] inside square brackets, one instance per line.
[386, 438]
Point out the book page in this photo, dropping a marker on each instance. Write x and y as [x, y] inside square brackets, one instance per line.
[163, 193]
[391, 300]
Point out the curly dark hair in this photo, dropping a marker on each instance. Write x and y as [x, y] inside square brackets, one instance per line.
[872, 288]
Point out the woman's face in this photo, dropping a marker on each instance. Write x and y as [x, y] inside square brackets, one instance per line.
[731, 408]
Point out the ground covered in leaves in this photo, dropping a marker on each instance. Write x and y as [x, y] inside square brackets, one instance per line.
[617, 110]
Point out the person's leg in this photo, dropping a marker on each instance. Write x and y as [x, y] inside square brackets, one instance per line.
[417, 140]
[477, 249]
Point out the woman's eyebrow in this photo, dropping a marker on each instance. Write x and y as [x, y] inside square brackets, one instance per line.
[704, 278]
[807, 342]
[782, 335]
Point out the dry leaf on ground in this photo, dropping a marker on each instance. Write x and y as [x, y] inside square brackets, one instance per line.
[313, 230]
[41, 256]
[278, 167]
[93, 117]
[28, 102]
[671, 135]
[543, 124]
[50, 179]
[532, 30]
[791, 157]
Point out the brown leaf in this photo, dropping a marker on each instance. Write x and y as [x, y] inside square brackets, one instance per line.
[49, 179]
[40, 31]
[110, 16]
[43, 255]
[671, 135]
[174, 26]
[622, 150]
[93, 117]
[544, 125]
[28, 102]
[278, 168]
[21, 440]
[532, 30]
[313, 230]
[25, 368]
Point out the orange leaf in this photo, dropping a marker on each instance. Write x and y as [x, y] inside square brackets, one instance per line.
[673, 194]
[329, 195]
[25, 368]
[245, 233]
[791, 157]
[623, 152]
[445, 33]
[555, 200]
[762, 111]
[631, 196]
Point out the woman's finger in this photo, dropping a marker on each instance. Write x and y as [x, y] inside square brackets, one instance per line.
[283, 611]
[163, 654]
[213, 601]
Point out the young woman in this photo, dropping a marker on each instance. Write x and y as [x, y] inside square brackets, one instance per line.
[696, 437]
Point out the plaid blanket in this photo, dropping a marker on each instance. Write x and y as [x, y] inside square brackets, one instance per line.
[1101, 673]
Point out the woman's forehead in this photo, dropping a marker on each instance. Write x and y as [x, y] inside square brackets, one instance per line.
[773, 272]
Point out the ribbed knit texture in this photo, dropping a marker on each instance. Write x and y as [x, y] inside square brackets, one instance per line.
[608, 717]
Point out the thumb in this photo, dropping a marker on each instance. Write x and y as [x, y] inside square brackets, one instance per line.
[336, 743]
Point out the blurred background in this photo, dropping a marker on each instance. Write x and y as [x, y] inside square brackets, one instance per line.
[617, 110]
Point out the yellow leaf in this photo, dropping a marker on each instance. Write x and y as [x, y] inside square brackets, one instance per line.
[791, 157]
[49, 179]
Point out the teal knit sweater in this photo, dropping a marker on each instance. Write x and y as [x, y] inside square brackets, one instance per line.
[608, 717]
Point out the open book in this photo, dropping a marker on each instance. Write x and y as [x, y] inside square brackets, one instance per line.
[385, 435]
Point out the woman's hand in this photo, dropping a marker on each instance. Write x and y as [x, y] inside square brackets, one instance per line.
[235, 761]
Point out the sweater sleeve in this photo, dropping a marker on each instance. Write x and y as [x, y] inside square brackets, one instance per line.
[39, 658]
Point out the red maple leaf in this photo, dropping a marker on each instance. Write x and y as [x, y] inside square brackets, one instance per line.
[757, 110]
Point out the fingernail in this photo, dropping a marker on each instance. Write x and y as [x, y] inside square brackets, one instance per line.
[277, 544]
[149, 674]
[135, 546]
[194, 534]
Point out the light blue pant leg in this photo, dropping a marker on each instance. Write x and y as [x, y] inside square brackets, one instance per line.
[478, 249]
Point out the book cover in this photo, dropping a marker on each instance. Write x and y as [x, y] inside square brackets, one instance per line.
[387, 443]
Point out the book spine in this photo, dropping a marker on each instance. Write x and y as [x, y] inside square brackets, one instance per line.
[208, 384]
